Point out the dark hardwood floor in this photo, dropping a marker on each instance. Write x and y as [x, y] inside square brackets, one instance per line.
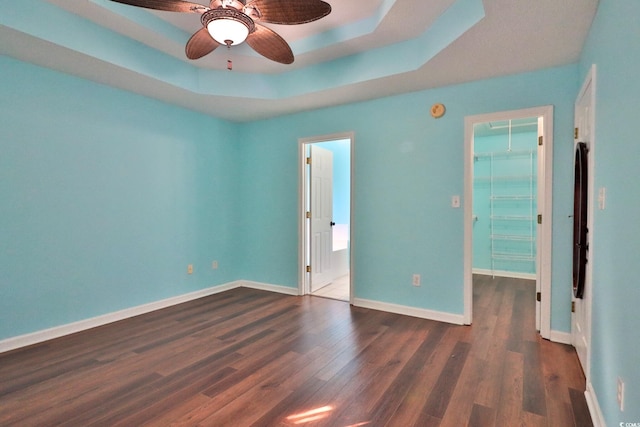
[254, 358]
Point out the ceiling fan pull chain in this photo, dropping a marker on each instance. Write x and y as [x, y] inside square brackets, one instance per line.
[229, 61]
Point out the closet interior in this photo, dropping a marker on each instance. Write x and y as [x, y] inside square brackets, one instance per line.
[505, 198]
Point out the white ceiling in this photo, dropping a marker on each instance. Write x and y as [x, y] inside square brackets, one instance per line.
[401, 39]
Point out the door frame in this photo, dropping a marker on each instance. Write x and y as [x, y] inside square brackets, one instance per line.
[588, 84]
[543, 247]
[304, 287]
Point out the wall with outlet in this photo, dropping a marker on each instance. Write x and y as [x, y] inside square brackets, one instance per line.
[407, 168]
[105, 198]
[613, 46]
[106, 203]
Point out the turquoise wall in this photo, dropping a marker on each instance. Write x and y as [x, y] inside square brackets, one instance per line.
[514, 174]
[105, 198]
[613, 46]
[407, 167]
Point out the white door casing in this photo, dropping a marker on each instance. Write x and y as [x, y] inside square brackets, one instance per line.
[304, 224]
[540, 241]
[581, 317]
[321, 216]
[543, 248]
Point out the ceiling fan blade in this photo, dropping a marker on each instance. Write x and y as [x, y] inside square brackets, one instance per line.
[200, 44]
[168, 5]
[270, 45]
[290, 12]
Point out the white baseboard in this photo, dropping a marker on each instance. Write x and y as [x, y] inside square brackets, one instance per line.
[268, 287]
[594, 407]
[560, 337]
[82, 325]
[456, 319]
[501, 273]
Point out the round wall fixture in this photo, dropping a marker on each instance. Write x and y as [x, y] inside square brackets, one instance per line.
[437, 110]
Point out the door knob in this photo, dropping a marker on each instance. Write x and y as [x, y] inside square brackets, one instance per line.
[332, 223]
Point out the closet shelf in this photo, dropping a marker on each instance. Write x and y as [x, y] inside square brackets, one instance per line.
[504, 178]
[512, 196]
[495, 155]
[512, 257]
[527, 197]
[512, 237]
[511, 217]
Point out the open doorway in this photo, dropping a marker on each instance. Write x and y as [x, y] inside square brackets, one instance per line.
[505, 184]
[508, 159]
[325, 216]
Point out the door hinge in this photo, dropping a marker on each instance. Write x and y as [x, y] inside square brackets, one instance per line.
[540, 140]
[538, 296]
[308, 215]
[573, 306]
[308, 269]
[539, 218]
[575, 133]
[308, 160]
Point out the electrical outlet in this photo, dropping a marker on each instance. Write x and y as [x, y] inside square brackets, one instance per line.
[455, 201]
[190, 269]
[214, 265]
[416, 280]
[621, 394]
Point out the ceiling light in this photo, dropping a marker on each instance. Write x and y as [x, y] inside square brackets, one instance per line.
[227, 26]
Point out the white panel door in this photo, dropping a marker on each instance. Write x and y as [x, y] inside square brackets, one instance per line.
[321, 217]
[580, 319]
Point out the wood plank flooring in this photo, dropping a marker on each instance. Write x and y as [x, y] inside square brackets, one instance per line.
[254, 358]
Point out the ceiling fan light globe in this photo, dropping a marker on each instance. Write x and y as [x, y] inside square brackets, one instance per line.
[227, 26]
[228, 29]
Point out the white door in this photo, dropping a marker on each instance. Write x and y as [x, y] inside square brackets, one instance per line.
[581, 317]
[321, 216]
[545, 207]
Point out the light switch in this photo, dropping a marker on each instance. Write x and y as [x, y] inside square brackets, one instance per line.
[455, 201]
[602, 198]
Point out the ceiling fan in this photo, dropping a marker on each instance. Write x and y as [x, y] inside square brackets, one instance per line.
[231, 22]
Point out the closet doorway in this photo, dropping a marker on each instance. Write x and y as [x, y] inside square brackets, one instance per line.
[508, 158]
[325, 216]
[505, 186]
